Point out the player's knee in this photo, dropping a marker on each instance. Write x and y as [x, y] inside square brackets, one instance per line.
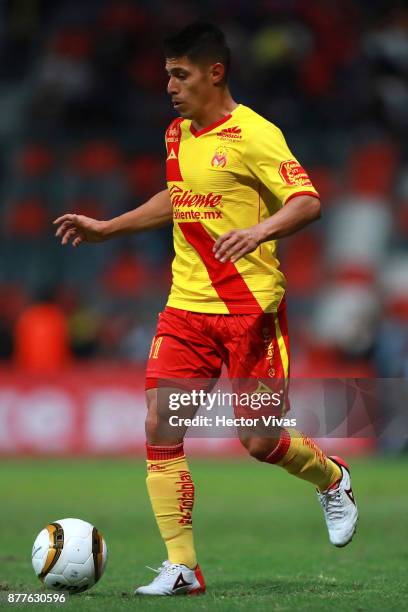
[151, 421]
[158, 431]
[259, 448]
[151, 426]
[154, 430]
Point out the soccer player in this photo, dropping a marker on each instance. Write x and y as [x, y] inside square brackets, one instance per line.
[233, 189]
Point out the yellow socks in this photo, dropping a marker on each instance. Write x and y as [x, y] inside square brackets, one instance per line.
[300, 456]
[171, 492]
[171, 488]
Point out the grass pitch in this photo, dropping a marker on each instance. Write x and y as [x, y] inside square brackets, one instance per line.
[260, 535]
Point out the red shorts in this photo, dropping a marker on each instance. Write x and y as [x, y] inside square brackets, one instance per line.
[195, 345]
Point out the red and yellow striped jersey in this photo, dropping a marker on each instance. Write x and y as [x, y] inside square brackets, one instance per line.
[230, 175]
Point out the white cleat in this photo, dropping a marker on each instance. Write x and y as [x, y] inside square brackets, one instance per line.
[174, 579]
[339, 507]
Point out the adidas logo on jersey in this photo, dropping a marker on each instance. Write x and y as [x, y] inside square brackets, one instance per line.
[232, 133]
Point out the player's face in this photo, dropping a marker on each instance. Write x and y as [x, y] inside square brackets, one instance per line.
[190, 86]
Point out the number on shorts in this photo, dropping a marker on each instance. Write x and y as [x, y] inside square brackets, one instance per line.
[154, 350]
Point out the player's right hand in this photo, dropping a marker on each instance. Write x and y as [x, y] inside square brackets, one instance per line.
[78, 228]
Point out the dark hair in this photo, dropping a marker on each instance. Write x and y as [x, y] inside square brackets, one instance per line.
[199, 42]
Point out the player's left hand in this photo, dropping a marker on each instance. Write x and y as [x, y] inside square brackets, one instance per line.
[235, 244]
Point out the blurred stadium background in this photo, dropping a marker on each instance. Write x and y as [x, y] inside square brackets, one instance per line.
[83, 110]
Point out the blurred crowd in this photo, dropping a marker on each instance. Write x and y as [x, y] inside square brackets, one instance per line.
[83, 110]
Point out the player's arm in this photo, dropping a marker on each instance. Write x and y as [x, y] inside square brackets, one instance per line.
[154, 213]
[269, 159]
[296, 214]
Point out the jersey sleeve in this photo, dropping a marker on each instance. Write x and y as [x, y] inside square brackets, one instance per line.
[269, 158]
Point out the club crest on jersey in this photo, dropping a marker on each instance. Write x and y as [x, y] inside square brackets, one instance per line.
[219, 159]
[292, 173]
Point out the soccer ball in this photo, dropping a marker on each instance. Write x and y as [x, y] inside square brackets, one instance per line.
[69, 555]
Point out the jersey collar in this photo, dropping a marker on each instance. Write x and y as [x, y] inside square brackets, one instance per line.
[210, 127]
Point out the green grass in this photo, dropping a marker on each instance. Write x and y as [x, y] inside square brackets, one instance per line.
[260, 536]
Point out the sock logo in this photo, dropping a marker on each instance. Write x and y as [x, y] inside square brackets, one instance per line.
[186, 499]
[319, 454]
[155, 467]
[180, 582]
